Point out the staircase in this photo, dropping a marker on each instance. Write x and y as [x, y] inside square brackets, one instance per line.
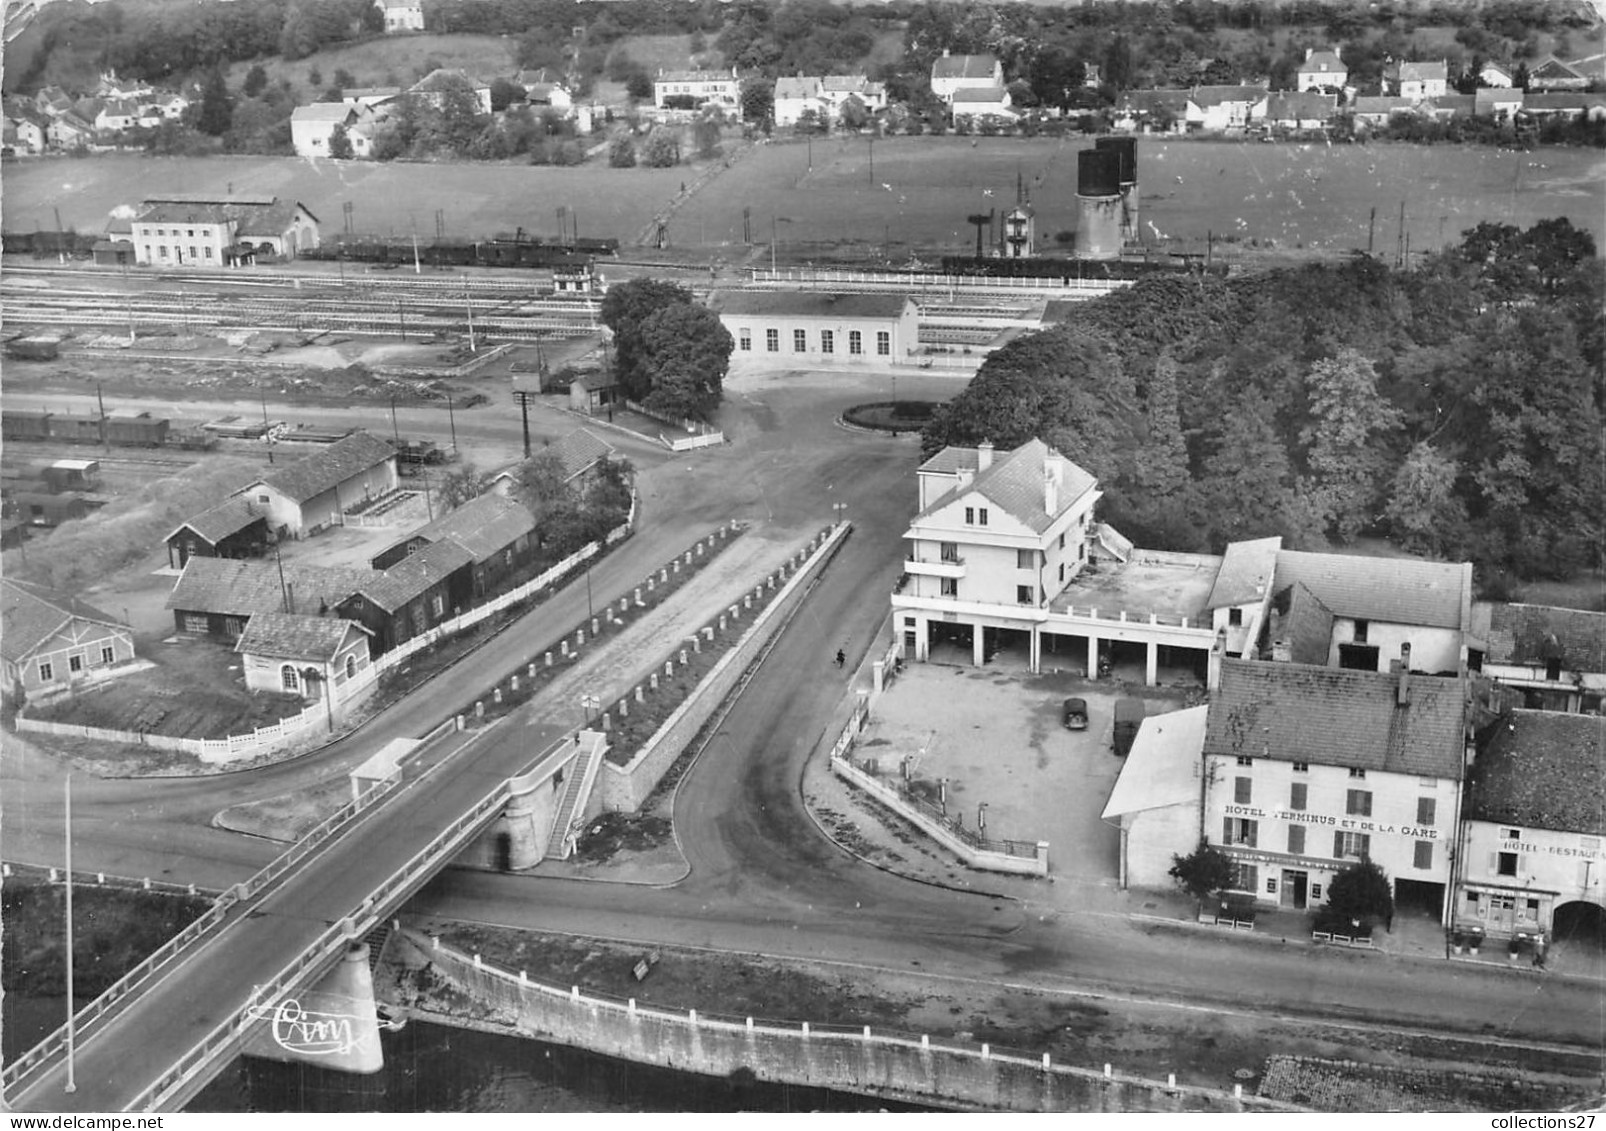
[376, 940]
[1113, 542]
[581, 774]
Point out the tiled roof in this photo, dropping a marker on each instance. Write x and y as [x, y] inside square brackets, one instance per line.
[1554, 68]
[322, 112]
[283, 636]
[1486, 98]
[483, 526]
[414, 575]
[952, 460]
[243, 588]
[579, 451]
[981, 94]
[215, 524]
[444, 79]
[1452, 103]
[1542, 770]
[850, 84]
[1148, 101]
[1380, 104]
[1537, 634]
[809, 304]
[1395, 590]
[1217, 95]
[31, 614]
[253, 216]
[963, 67]
[797, 86]
[1306, 625]
[1300, 104]
[1416, 72]
[1337, 717]
[696, 76]
[1323, 61]
[1015, 482]
[1575, 100]
[1246, 571]
[312, 475]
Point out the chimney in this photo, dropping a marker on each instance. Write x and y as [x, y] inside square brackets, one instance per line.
[1051, 489]
[1309, 51]
[945, 53]
[984, 455]
[1405, 675]
[1281, 651]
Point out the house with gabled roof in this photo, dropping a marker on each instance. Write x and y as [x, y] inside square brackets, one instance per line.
[952, 73]
[1553, 74]
[1155, 800]
[51, 641]
[497, 531]
[235, 528]
[184, 230]
[545, 87]
[1556, 657]
[1380, 109]
[1226, 107]
[431, 585]
[697, 90]
[434, 87]
[1495, 75]
[27, 127]
[69, 131]
[1499, 103]
[1322, 70]
[1533, 864]
[217, 597]
[1416, 80]
[311, 494]
[314, 657]
[1307, 769]
[819, 326]
[579, 452]
[1300, 110]
[313, 127]
[1149, 110]
[1377, 605]
[981, 102]
[824, 94]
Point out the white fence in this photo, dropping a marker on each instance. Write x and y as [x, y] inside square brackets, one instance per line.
[314, 717]
[702, 435]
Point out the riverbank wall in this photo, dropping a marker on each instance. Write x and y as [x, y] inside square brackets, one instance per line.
[433, 982]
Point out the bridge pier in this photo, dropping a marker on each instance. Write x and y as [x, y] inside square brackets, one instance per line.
[333, 1025]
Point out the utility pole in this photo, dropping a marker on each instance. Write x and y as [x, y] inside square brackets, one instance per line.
[1371, 230]
[100, 400]
[72, 1026]
[452, 418]
[1399, 239]
[395, 433]
[468, 300]
[523, 397]
[266, 437]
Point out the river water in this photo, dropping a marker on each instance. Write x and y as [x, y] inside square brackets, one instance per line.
[436, 1068]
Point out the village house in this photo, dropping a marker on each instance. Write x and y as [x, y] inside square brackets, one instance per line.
[370, 95]
[1553, 74]
[433, 584]
[544, 88]
[980, 102]
[435, 86]
[952, 73]
[694, 90]
[311, 494]
[1416, 80]
[235, 528]
[1301, 110]
[825, 95]
[1307, 769]
[818, 326]
[220, 231]
[217, 597]
[69, 131]
[313, 657]
[1499, 103]
[1226, 107]
[1322, 70]
[401, 15]
[1150, 111]
[1495, 75]
[1556, 657]
[312, 128]
[579, 453]
[498, 533]
[52, 101]
[1570, 105]
[26, 128]
[51, 642]
[1356, 612]
[1534, 825]
[593, 393]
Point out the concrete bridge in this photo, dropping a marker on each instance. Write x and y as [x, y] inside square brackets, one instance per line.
[157, 1038]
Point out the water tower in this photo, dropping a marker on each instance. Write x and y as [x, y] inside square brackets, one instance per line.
[1098, 204]
[1127, 148]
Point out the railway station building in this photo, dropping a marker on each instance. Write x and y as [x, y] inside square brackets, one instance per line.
[228, 231]
[818, 327]
[53, 642]
[312, 493]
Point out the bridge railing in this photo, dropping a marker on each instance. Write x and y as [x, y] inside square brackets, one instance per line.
[16, 1073]
[423, 863]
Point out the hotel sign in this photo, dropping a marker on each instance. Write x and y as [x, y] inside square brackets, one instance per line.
[1328, 820]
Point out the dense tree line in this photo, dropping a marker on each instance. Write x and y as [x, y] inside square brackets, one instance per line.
[1455, 408]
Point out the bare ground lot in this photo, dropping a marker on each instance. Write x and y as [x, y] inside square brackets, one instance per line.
[1214, 1049]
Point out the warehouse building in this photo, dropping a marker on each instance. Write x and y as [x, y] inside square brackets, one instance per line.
[819, 328]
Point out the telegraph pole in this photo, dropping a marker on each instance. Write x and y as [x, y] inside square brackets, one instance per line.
[100, 399]
[468, 300]
[266, 437]
[452, 419]
[523, 397]
[72, 1028]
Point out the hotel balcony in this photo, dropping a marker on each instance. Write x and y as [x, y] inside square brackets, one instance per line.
[948, 567]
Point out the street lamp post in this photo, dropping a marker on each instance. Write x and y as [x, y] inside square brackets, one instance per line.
[589, 705]
[775, 237]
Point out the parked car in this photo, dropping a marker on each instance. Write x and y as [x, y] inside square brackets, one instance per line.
[1074, 714]
[1128, 717]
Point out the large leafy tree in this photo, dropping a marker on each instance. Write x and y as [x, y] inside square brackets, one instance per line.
[1424, 513]
[217, 106]
[1351, 426]
[1203, 872]
[625, 308]
[1361, 892]
[685, 350]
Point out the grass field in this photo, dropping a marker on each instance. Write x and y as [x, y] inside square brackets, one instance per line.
[478, 200]
[391, 61]
[1318, 196]
[1291, 195]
